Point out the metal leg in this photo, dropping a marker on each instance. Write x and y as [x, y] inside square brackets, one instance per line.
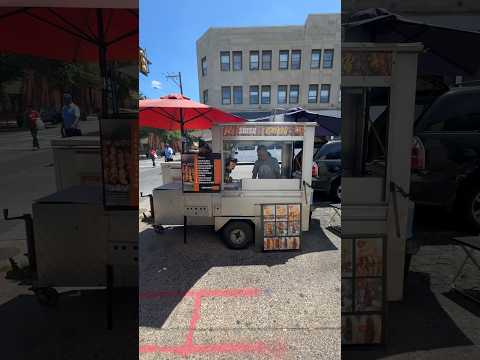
[109, 297]
[184, 229]
[460, 270]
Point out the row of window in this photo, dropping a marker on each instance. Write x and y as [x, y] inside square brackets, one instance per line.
[286, 58]
[262, 94]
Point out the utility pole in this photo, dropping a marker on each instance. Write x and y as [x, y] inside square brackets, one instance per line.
[175, 78]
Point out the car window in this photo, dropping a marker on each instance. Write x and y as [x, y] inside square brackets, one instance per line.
[454, 113]
[330, 151]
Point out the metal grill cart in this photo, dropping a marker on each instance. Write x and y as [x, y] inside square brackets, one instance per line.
[378, 107]
[86, 234]
[232, 202]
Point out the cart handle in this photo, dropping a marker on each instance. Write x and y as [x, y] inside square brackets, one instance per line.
[6, 217]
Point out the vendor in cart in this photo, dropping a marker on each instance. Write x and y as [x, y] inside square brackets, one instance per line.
[266, 167]
[230, 164]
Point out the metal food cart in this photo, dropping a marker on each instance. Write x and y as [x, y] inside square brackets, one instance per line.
[378, 107]
[235, 210]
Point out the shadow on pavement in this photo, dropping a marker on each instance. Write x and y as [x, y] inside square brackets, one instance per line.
[74, 329]
[187, 263]
[418, 323]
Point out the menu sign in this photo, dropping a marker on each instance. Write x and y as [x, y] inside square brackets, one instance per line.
[120, 163]
[358, 63]
[363, 291]
[201, 173]
[281, 226]
[274, 130]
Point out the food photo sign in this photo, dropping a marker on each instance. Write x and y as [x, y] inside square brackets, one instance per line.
[281, 226]
[119, 143]
[363, 290]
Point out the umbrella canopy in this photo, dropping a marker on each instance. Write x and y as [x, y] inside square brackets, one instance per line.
[171, 111]
[448, 50]
[70, 34]
[327, 125]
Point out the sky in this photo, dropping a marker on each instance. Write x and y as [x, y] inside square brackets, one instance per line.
[169, 31]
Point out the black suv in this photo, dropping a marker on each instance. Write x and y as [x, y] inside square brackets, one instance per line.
[327, 177]
[446, 154]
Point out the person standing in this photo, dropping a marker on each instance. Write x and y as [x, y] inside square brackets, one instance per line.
[153, 155]
[32, 118]
[168, 153]
[266, 167]
[71, 117]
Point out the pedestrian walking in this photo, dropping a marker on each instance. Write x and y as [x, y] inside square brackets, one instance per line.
[153, 155]
[32, 118]
[71, 117]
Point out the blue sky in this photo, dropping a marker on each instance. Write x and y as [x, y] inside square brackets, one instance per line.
[170, 29]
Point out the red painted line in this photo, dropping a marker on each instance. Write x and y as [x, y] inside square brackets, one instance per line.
[193, 321]
[202, 292]
[256, 347]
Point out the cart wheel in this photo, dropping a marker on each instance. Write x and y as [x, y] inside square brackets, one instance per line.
[47, 296]
[237, 234]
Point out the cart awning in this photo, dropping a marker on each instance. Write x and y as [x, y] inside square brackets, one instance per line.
[168, 111]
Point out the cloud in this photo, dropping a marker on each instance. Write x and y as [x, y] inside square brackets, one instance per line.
[156, 84]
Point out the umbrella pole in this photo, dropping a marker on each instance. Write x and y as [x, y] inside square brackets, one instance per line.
[102, 54]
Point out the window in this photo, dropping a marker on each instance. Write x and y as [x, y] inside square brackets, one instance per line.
[325, 93]
[254, 65]
[205, 96]
[315, 60]
[204, 66]
[237, 95]
[328, 59]
[282, 94]
[237, 60]
[293, 96]
[266, 94]
[253, 94]
[296, 59]
[225, 61]
[226, 95]
[455, 113]
[283, 60]
[312, 93]
[267, 60]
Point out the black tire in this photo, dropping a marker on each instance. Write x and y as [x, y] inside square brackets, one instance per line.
[47, 296]
[470, 207]
[237, 234]
[336, 191]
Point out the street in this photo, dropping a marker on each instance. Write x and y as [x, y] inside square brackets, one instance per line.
[204, 301]
[76, 327]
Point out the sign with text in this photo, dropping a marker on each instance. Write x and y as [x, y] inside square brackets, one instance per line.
[274, 130]
[201, 173]
[359, 63]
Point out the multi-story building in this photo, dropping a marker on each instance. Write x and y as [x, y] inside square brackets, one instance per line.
[259, 70]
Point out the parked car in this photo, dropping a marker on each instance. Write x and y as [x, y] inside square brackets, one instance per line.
[327, 175]
[446, 154]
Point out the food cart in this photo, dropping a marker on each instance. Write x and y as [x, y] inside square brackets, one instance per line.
[378, 107]
[271, 212]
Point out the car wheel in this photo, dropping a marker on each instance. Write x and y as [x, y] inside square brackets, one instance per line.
[237, 234]
[336, 192]
[470, 203]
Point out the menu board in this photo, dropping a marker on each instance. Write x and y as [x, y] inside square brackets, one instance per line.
[360, 63]
[119, 143]
[273, 130]
[282, 226]
[363, 290]
[201, 173]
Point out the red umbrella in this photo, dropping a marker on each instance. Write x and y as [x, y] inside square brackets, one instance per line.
[178, 112]
[77, 30]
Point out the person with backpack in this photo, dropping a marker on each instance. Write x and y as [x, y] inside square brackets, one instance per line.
[153, 155]
[32, 118]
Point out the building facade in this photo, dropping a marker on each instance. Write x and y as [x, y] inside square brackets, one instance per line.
[264, 69]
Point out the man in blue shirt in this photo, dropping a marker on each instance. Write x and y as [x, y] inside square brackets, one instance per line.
[168, 153]
[70, 116]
